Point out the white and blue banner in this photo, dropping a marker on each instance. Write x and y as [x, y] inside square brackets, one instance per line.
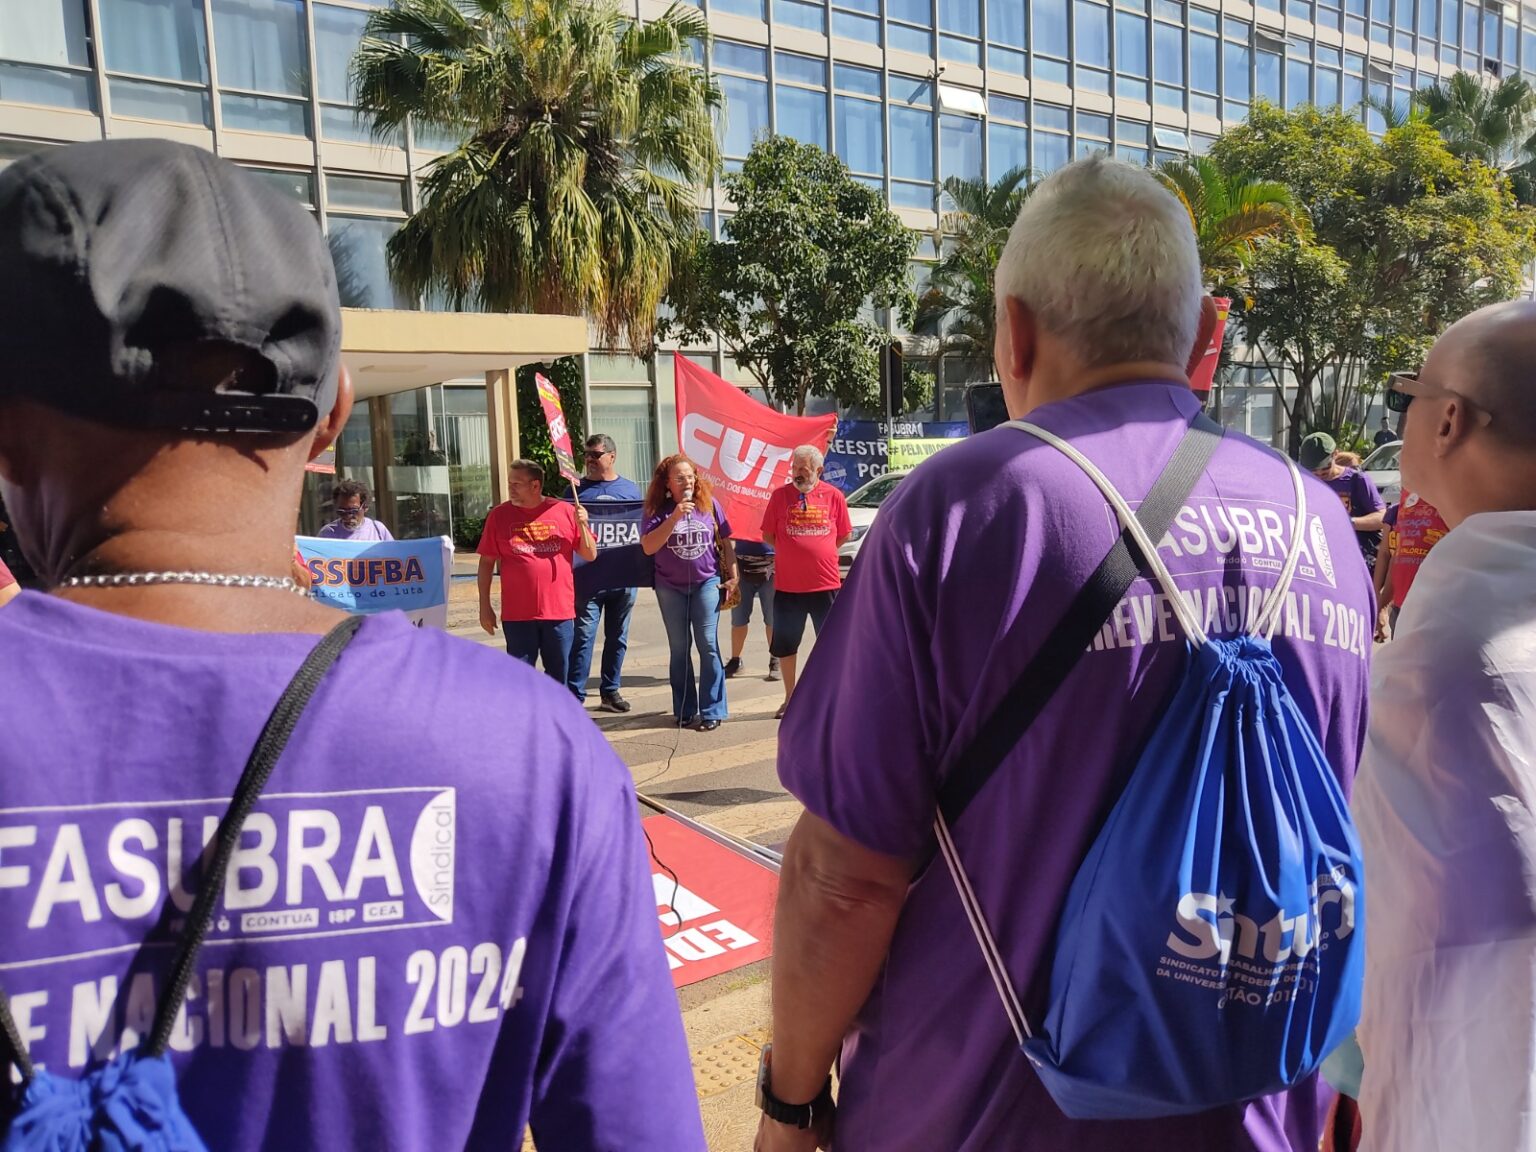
[411, 576]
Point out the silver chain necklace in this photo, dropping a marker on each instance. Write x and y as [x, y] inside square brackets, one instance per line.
[214, 579]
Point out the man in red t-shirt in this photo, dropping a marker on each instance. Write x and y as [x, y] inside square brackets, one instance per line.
[532, 538]
[805, 524]
[1413, 528]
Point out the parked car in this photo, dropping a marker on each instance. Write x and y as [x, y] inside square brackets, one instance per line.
[863, 503]
[1381, 467]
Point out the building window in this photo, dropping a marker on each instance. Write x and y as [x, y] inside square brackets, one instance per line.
[365, 192]
[299, 186]
[1298, 77]
[1052, 145]
[44, 54]
[857, 20]
[1168, 64]
[800, 14]
[1051, 44]
[1203, 52]
[756, 9]
[1007, 149]
[860, 128]
[160, 39]
[1268, 75]
[912, 143]
[1007, 36]
[741, 72]
[960, 148]
[909, 26]
[960, 23]
[263, 62]
[362, 272]
[801, 108]
[1091, 39]
[1092, 134]
[1131, 56]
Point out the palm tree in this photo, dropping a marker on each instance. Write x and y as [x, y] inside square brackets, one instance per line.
[959, 298]
[1231, 214]
[1492, 122]
[585, 135]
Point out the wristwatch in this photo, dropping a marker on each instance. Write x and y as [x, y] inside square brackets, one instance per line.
[800, 1116]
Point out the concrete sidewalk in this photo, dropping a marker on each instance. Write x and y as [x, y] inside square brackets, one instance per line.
[726, 779]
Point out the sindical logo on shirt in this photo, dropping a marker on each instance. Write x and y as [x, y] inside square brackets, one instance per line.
[690, 539]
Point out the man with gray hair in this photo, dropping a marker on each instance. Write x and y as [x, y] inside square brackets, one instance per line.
[805, 524]
[1448, 778]
[976, 559]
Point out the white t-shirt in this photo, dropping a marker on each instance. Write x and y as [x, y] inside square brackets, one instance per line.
[1446, 806]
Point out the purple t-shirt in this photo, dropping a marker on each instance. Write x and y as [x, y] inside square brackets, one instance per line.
[368, 530]
[969, 566]
[440, 926]
[1357, 492]
[688, 559]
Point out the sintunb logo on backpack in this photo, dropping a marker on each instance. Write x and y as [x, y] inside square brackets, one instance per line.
[1252, 956]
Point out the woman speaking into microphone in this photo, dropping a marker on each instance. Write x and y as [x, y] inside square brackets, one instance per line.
[686, 530]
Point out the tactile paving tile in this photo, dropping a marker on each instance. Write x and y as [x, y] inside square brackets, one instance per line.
[726, 1063]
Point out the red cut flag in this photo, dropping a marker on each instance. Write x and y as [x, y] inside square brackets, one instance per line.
[559, 434]
[1204, 375]
[742, 446]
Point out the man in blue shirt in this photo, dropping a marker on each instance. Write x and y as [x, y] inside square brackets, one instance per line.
[603, 482]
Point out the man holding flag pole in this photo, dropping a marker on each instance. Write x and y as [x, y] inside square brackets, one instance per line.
[532, 540]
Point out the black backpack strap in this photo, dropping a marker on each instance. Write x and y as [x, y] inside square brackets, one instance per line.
[263, 759]
[1023, 703]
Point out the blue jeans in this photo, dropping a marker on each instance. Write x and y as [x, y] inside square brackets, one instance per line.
[692, 619]
[614, 607]
[546, 640]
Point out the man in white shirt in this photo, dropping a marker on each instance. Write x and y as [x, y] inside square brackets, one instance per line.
[1446, 796]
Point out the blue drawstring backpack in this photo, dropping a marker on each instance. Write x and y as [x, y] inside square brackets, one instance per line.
[129, 1104]
[1210, 949]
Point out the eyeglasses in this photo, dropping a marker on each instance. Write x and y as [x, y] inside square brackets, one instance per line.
[1404, 386]
[358, 511]
[597, 454]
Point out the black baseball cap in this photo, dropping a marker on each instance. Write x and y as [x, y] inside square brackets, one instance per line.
[119, 257]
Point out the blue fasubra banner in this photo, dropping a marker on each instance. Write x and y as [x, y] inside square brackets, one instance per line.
[620, 563]
[365, 577]
[860, 450]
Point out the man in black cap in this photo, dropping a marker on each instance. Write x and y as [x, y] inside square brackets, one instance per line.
[437, 926]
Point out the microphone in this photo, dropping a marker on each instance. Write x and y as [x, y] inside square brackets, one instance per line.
[688, 494]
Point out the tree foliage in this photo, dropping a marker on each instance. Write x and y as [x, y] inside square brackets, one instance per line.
[1492, 122]
[808, 250]
[1231, 214]
[585, 134]
[1405, 238]
[960, 299]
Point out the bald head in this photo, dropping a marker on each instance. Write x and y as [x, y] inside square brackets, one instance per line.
[1469, 434]
[1490, 357]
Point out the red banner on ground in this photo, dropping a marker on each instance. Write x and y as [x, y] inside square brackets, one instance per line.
[741, 445]
[559, 434]
[717, 915]
[1205, 372]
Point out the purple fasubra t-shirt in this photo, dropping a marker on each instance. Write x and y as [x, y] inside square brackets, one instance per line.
[688, 558]
[967, 569]
[440, 926]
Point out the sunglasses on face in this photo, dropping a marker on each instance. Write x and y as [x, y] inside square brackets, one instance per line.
[358, 511]
[1405, 386]
[596, 454]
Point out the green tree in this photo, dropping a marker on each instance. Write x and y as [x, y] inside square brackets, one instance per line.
[960, 298]
[1405, 238]
[1231, 213]
[585, 136]
[807, 253]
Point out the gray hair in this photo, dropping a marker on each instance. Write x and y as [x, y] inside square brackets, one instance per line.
[808, 452]
[1105, 258]
[602, 440]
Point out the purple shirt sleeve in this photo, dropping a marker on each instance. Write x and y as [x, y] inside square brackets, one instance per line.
[384, 532]
[722, 522]
[861, 746]
[1367, 498]
[615, 1071]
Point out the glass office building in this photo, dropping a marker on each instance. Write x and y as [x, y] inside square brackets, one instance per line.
[905, 92]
